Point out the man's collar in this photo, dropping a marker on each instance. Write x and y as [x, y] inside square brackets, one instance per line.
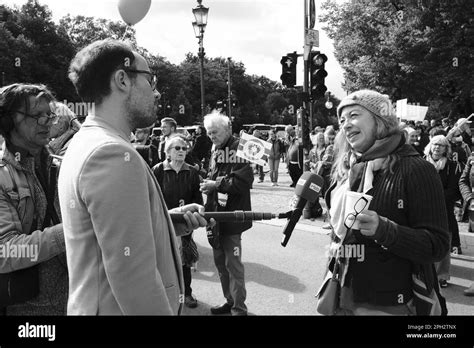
[92, 120]
[228, 142]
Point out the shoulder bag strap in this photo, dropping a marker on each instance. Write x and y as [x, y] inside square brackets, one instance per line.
[51, 214]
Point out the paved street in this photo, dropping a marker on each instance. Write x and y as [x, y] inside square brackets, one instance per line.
[283, 281]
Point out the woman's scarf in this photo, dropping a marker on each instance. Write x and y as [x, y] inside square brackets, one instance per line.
[378, 153]
[439, 164]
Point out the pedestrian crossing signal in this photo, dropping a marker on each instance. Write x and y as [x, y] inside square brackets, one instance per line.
[288, 68]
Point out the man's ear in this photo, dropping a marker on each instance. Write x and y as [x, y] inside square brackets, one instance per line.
[120, 81]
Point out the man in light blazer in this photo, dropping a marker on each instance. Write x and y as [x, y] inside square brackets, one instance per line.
[121, 246]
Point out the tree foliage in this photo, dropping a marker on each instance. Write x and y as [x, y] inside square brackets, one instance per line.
[421, 50]
[34, 49]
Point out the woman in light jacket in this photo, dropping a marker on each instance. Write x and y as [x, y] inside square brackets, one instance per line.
[29, 209]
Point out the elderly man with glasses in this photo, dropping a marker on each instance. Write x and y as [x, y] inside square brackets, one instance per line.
[33, 271]
[121, 244]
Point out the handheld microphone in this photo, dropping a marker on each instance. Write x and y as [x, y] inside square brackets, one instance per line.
[307, 189]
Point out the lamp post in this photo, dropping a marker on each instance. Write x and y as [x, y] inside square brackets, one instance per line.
[200, 14]
[229, 88]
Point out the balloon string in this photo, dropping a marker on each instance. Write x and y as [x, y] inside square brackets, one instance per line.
[125, 32]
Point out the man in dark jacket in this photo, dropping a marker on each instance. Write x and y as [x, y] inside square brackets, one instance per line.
[227, 190]
[202, 148]
[145, 147]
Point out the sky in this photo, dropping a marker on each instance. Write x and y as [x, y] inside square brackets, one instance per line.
[255, 32]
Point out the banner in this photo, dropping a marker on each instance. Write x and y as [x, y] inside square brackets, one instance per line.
[401, 108]
[416, 112]
[253, 149]
[410, 112]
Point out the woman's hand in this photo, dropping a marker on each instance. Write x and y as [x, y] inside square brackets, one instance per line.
[368, 222]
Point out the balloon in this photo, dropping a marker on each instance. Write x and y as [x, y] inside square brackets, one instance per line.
[133, 11]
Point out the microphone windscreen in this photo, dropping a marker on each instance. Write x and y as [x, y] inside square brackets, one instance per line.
[308, 186]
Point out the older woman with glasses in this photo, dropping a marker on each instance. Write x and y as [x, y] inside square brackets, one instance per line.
[179, 183]
[33, 270]
[438, 152]
[400, 232]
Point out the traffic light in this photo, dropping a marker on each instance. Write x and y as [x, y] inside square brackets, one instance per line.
[317, 74]
[288, 69]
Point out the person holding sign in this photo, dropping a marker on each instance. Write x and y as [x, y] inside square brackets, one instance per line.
[397, 218]
[228, 189]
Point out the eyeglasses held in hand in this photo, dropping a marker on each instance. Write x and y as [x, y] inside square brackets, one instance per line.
[42, 120]
[179, 148]
[359, 206]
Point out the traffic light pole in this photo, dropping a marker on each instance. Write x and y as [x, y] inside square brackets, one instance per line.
[306, 126]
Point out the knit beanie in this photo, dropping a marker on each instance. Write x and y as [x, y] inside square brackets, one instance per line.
[377, 103]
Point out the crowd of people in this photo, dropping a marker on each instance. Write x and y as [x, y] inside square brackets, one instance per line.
[97, 199]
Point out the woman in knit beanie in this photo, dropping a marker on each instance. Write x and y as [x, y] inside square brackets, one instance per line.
[403, 229]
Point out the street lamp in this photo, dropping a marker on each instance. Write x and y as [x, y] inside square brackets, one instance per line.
[199, 26]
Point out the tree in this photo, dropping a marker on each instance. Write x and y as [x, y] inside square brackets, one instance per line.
[420, 50]
[83, 30]
[33, 50]
[182, 110]
[276, 103]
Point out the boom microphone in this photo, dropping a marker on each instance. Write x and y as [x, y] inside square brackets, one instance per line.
[232, 216]
[307, 189]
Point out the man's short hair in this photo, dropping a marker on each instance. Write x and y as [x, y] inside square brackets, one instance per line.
[217, 119]
[91, 68]
[437, 131]
[170, 121]
[14, 97]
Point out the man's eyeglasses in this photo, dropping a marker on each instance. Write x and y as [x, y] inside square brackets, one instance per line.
[151, 81]
[359, 206]
[43, 120]
[179, 148]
